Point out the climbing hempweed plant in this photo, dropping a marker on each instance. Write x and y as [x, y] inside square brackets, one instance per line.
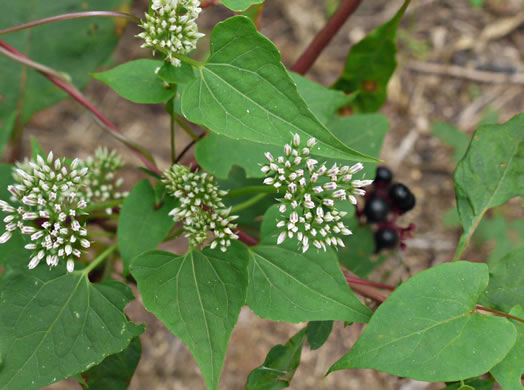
[269, 208]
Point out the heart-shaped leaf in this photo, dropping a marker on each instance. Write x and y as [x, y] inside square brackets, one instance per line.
[54, 325]
[427, 328]
[137, 81]
[244, 92]
[490, 173]
[198, 296]
[508, 372]
[240, 5]
[144, 222]
[287, 285]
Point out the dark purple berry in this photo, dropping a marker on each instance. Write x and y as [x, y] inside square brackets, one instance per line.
[383, 175]
[386, 238]
[376, 209]
[402, 198]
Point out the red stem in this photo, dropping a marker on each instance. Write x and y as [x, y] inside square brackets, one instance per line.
[79, 98]
[351, 279]
[325, 35]
[246, 238]
[68, 16]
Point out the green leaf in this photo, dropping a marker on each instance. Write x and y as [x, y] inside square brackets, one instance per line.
[318, 332]
[12, 253]
[116, 371]
[176, 74]
[286, 285]
[506, 283]
[453, 137]
[490, 173]
[6, 178]
[427, 329]
[370, 64]
[218, 154]
[475, 383]
[250, 217]
[137, 81]
[504, 235]
[279, 367]
[198, 296]
[6, 129]
[244, 92]
[76, 47]
[364, 132]
[54, 325]
[323, 102]
[451, 219]
[36, 148]
[240, 5]
[359, 252]
[508, 372]
[143, 224]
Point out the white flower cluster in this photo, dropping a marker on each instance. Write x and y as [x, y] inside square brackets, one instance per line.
[100, 184]
[201, 208]
[172, 29]
[309, 210]
[45, 205]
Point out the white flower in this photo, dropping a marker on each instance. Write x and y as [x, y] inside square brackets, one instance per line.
[101, 183]
[201, 207]
[45, 206]
[172, 28]
[310, 185]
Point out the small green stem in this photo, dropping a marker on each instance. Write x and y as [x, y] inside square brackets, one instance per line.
[103, 206]
[185, 127]
[99, 259]
[251, 190]
[173, 142]
[248, 203]
[188, 60]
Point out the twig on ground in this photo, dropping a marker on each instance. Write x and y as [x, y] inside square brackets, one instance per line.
[480, 76]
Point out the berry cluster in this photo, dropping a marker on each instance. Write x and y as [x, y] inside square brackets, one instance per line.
[172, 29]
[388, 199]
[45, 204]
[201, 207]
[309, 209]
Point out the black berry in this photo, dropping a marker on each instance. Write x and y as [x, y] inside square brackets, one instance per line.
[376, 209]
[402, 198]
[383, 175]
[386, 238]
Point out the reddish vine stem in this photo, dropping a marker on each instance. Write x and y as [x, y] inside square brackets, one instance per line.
[354, 280]
[500, 313]
[325, 35]
[246, 238]
[79, 98]
[368, 292]
[68, 16]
